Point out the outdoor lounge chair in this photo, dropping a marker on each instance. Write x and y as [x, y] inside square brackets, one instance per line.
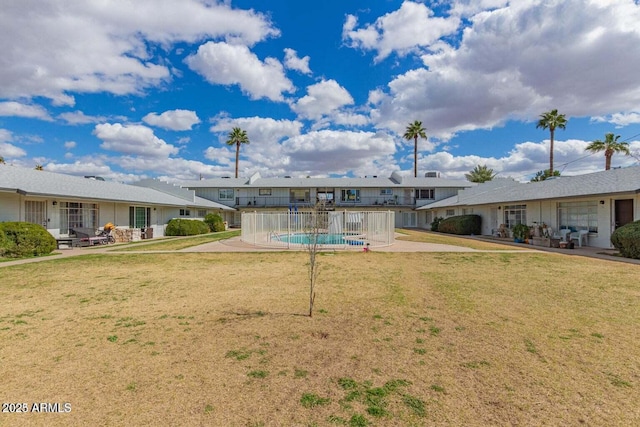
[580, 236]
[87, 236]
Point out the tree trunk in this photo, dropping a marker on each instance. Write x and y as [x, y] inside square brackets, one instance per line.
[415, 157]
[607, 161]
[237, 157]
[551, 131]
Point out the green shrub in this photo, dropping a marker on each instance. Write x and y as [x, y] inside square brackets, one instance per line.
[626, 240]
[186, 227]
[462, 224]
[521, 232]
[214, 221]
[435, 223]
[23, 239]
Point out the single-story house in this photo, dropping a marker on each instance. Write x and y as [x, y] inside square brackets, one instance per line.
[597, 202]
[61, 202]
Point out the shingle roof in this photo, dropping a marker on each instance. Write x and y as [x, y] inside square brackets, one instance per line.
[614, 181]
[44, 183]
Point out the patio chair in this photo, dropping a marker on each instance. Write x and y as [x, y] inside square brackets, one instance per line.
[562, 234]
[580, 236]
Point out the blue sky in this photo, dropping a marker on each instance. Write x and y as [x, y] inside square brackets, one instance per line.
[151, 88]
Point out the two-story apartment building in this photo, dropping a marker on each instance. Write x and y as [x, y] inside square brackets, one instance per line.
[398, 193]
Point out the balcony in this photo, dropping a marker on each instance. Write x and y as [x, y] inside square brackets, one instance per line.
[286, 202]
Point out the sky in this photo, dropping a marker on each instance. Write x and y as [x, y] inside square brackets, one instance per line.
[128, 89]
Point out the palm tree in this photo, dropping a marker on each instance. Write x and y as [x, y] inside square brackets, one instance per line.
[610, 145]
[237, 137]
[2, 162]
[415, 130]
[552, 120]
[545, 174]
[480, 174]
[39, 167]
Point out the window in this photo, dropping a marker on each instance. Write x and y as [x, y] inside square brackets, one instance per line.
[77, 215]
[450, 212]
[139, 217]
[467, 211]
[299, 196]
[350, 196]
[264, 192]
[425, 193]
[515, 214]
[225, 194]
[386, 192]
[34, 212]
[185, 212]
[202, 213]
[579, 215]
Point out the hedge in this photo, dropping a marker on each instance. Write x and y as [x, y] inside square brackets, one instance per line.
[626, 240]
[186, 227]
[24, 239]
[215, 222]
[462, 224]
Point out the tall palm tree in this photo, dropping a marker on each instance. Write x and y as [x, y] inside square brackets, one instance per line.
[415, 130]
[237, 137]
[610, 145]
[551, 120]
[39, 167]
[480, 174]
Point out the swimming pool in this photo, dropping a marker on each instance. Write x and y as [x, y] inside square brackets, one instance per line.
[323, 239]
[338, 229]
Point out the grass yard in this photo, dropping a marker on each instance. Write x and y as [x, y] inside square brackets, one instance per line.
[397, 339]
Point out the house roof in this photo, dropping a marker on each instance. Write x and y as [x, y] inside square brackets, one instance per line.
[256, 181]
[49, 184]
[611, 182]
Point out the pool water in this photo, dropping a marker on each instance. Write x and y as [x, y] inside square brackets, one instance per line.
[323, 239]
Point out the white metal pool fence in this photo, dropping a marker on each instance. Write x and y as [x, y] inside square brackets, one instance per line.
[355, 229]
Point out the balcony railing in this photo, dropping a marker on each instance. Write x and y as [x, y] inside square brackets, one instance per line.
[285, 202]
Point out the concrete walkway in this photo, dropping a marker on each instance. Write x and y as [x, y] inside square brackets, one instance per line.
[236, 245]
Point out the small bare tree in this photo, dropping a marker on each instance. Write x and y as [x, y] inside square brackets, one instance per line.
[315, 226]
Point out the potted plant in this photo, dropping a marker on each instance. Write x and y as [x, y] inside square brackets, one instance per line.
[520, 233]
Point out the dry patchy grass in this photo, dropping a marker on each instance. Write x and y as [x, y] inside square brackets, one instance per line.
[415, 235]
[177, 243]
[396, 339]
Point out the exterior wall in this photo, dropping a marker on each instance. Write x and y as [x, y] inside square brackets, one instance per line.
[10, 207]
[281, 197]
[545, 211]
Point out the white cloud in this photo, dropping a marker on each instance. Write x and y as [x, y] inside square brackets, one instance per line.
[264, 152]
[525, 159]
[620, 119]
[10, 151]
[293, 62]
[70, 145]
[82, 167]
[173, 119]
[227, 64]
[133, 139]
[112, 46]
[468, 8]
[517, 61]
[79, 118]
[17, 109]
[402, 31]
[5, 135]
[322, 99]
[340, 152]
